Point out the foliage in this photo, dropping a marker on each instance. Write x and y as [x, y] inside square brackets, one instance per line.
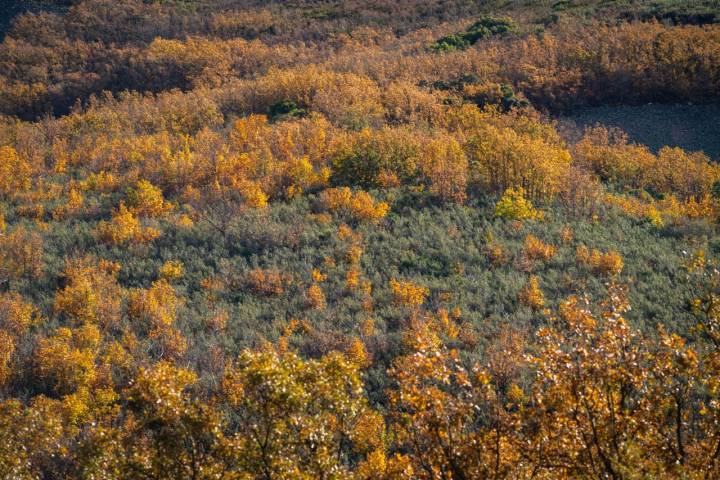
[15, 172]
[285, 107]
[298, 418]
[358, 205]
[125, 227]
[407, 294]
[483, 28]
[514, 206]
[236, 243]
[147, 200]
[531, 295]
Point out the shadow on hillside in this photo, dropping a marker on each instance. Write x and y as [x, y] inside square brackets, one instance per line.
[691, 127]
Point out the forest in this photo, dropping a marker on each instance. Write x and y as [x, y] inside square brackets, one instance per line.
[359, 239]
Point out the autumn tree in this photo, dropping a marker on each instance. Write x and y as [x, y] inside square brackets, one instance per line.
[372, 158]
[33, 436]
[21, 254]
[153, 311]
[408, 294]
[445, 166]
[358, 205]
[589, 392]
[15, 172]
[17, 314]
[536, 249]
[91, 293]
[169, 434]
[67, 359]
[145, 199]
[510, 151]
[531, 295]
[124, 228]
[513, 205]
[295, 418]
[455, 421]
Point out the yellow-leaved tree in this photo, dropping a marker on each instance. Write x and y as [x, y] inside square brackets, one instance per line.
[297, 418]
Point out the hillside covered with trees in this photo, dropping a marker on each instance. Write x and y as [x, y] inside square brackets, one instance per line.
[352, 239]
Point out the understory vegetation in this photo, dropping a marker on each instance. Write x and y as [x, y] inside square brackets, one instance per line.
[350, 240]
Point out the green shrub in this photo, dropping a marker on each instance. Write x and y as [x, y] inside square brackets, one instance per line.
[285, 108]
[486, 27]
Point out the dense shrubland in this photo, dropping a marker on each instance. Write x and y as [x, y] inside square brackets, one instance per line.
[346, 240]
[50, 61]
